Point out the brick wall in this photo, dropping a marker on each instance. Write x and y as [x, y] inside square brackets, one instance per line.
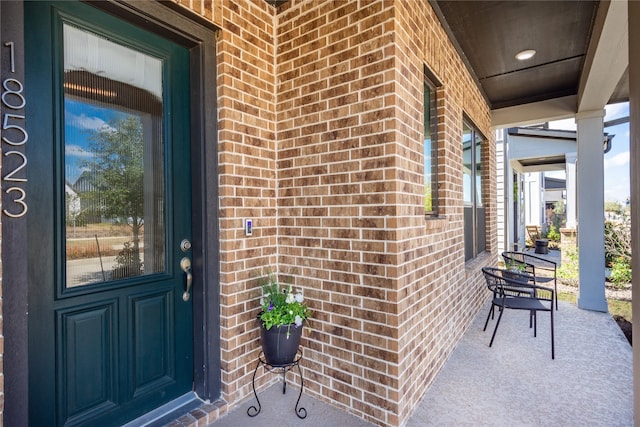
[247, 173]
[320, 142]
[439, 301]
[387, 285]
[338, 195]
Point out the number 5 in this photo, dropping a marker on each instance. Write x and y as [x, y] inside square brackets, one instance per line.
[6, 126]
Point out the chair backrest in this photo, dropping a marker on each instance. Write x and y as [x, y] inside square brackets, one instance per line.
[505, 282]
[532, 261]
[518, 261]
[492, 278]
[534, 232]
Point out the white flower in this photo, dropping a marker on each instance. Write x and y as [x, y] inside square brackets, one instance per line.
[261, 301]
[299, 298]
[298, 321]
[290, 298]
[290, 311]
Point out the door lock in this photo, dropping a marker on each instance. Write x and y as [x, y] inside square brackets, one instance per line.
[185, 245]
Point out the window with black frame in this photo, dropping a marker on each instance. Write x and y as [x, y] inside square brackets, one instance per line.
[431, 85]
[473, 178]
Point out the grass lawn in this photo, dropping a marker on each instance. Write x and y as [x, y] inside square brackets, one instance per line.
[616, 307]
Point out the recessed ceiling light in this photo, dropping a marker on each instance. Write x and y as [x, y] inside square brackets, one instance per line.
[525, 54]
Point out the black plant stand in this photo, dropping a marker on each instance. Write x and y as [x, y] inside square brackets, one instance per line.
[283, 369]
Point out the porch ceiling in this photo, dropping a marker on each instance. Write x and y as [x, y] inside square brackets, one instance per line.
[571, 39]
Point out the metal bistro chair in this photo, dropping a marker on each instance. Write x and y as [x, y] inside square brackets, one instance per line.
[517, 291]
[534, 265]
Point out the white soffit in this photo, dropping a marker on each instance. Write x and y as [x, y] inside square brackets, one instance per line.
[535, 112]
[531, 147]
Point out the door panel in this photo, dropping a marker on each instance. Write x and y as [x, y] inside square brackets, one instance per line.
[111, 336]
[153, 356]
[89, 351]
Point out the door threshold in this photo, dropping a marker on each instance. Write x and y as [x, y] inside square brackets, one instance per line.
[168, 412]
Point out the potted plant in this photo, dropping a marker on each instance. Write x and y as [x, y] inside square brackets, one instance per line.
[516, 270]
[281, 321]
[514, 265]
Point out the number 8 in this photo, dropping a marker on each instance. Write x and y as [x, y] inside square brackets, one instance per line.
[17, 93]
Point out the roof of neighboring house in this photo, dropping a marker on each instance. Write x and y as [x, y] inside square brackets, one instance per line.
[539, 149]
[554, 183]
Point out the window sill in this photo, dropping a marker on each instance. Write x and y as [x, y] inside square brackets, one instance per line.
[433, 222]
[473, 266]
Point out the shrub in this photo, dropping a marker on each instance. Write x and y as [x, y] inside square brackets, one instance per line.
[553, 233]
[568, 272]
[620, 272]
[128, 263]
[617, 240]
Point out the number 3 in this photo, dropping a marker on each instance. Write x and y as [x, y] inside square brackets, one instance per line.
[20, 201]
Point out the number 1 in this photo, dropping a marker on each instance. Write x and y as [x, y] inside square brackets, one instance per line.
[13, 58]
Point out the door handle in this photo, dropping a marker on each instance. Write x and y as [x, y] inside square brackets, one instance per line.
[185, 265]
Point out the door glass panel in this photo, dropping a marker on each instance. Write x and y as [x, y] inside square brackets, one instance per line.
[114, 160]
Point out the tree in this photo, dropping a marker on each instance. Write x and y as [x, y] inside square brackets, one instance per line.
[117, 171]
[614, 207]
[617, 240]
[427, 198]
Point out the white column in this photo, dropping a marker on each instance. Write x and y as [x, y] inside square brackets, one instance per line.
[634, 146]
[590, 175]
[532, 198]
[570, 169]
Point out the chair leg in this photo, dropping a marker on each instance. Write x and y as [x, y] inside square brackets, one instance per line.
[496, 328]
[535, 324]
[553, 350]
[490, 314]
[531, 314]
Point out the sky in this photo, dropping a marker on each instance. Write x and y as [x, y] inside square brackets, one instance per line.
[81, 121]
[616, 161]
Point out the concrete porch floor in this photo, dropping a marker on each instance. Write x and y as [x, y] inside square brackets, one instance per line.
[515, 382]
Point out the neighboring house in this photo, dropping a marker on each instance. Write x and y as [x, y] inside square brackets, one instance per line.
[90, 202]
[358, 137]
[555, 200]
[73, 207]
[525, 155]
[530, 196]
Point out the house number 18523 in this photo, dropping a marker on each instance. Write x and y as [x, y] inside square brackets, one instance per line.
[14, 135]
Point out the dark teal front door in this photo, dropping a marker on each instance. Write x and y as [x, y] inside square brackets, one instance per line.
[109, 221]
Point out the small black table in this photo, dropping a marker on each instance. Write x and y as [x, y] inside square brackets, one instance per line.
[283, 369]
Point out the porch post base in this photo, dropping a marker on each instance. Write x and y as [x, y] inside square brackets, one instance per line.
[593, 304]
